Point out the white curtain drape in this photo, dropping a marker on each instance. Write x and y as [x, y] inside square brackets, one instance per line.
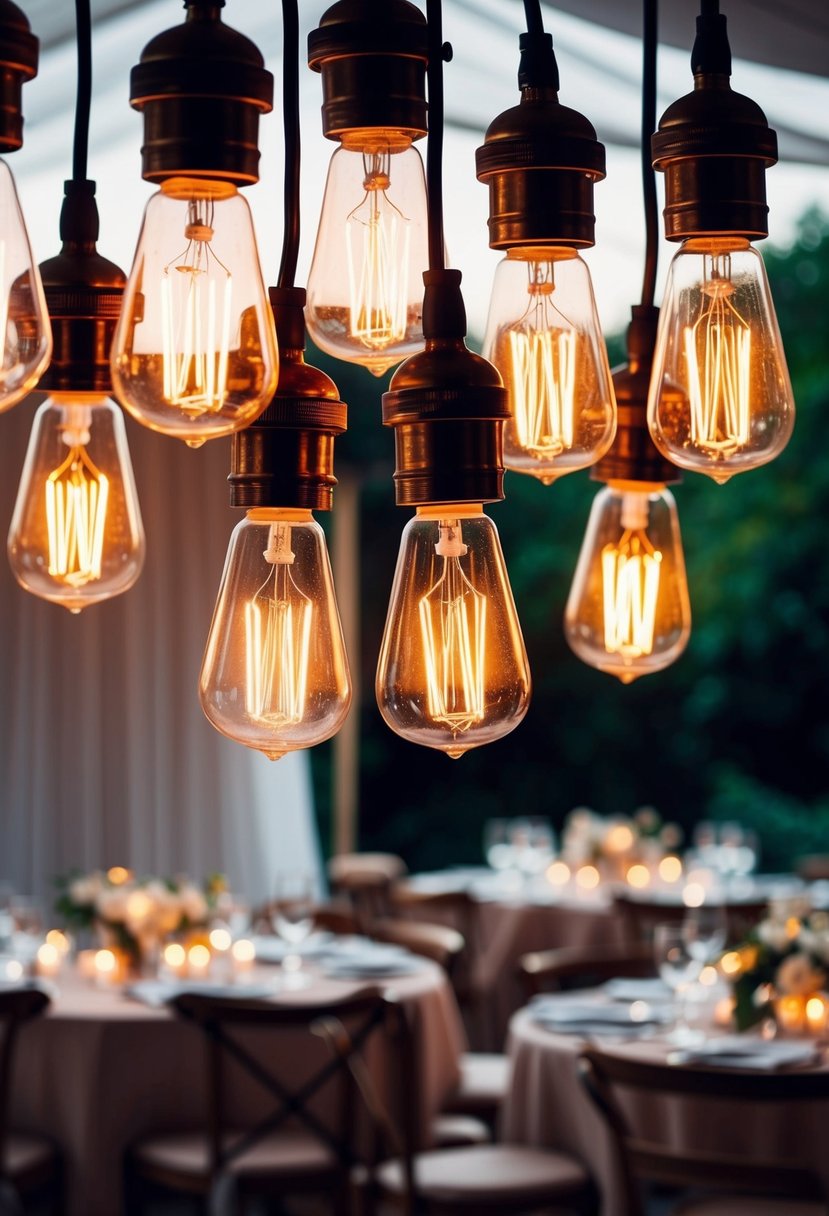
[105, 755]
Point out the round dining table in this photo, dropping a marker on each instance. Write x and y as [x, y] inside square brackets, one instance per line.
[547, 1106]
[102, 1069]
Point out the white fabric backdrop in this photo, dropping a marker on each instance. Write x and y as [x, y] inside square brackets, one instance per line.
[105, 755]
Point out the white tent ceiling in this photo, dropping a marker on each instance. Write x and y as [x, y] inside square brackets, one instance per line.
[599, 58]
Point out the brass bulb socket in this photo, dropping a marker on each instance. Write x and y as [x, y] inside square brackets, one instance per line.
[372, 58]
[201, 87]
[83, 294]
[714, 146]
[540, 160]
[18, 63]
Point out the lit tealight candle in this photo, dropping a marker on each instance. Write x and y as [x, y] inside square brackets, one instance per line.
[12, 970]
[244, 954]
[724, 1011]
[175, 958]
[638, 876]
[198, 960]
[619, 839]
[47, 961]
[118, 875]
[816, 1014]
[106, 967]
[220, 940]
[708, 976]
[790, 1013]
[670, 869]
[558, 873]
[693, 895]
[588, 878]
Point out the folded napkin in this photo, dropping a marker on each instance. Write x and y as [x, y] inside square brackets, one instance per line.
[630, 989]
[272, 949]
[157, 993]
[371, 964]
[746, 1051]
[585, 1016]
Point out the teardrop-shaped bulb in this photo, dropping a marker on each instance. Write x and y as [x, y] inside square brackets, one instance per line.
[719, 342]
[628, 611]
[543, 335]
[453, 671]
[365, 286]
[275, 674]
[76, 535]
[194, 353]
[24, 319]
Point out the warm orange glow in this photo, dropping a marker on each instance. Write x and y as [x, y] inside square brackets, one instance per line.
[693, 895]
[670, 869]
[619, 839]
[175, 956]
[588, 878]
[220, 940]
[731, 963]
[59, 940]
[639, 876]
[198, 957]
[105, 962]
[243, 951]
[558, 873]
[118, 875]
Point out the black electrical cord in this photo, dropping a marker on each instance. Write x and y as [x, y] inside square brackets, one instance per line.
[649, 42]
[80, 149]
[290, 118]
[535, 23]
[709, 8]
[434, 150]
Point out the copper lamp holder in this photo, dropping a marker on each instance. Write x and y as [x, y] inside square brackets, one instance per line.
[201, 87]
[18, 63]
[286, 457]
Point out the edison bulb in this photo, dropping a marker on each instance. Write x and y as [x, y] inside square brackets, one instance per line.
[628, 611]
[194, 353]
[24, 318]
[543, 335]
[453, 670]
[365, 286]
[718, 341]
[275, 674]
[76, 534]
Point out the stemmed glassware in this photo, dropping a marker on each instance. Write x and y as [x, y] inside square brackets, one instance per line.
[292, 918]
[678, 968]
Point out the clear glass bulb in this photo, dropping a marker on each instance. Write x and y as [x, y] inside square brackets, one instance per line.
[365, 286]
[718, 341]
[453, 671]
[76, 536]
[194, 353]
[275, 674]
[543, 335]
[24, 319]
[628, 611]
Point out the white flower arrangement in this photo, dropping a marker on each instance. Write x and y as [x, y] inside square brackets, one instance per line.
[786, 954]
[135, 914]
[589, 837]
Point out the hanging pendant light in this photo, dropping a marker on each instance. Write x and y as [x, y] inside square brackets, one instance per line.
[540, 160]
[275, 673]
[718, 336]
[194, 354]
[628, 612]
[364, 286]
[453, 671]
[24, 321]
[76, 535]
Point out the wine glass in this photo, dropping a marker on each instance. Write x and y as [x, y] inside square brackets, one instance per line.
[539, 847]
[292, 918]
[704, 930]
[678, 968]
[498, 846]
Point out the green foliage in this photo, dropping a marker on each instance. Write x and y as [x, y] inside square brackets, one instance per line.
[737, 729]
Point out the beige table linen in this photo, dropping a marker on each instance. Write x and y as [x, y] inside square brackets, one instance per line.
[547, 1106]
[101, 1070]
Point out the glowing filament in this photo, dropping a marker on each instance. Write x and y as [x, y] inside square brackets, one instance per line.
[377, 242]
[195, 320]
[76, 506]
[277, 647]
[453, 633]
[630, 586]
[718, 355]
[542, 370]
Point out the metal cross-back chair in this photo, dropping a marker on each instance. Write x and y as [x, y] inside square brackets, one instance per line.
[291, 1150]
[30, 1166]
[641, 916]
[742, 1186]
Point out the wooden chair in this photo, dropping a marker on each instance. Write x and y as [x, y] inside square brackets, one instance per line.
[366, 881]
[814, 867]
[755, 1187]
[439, 943]
[574, 967]
[30, 1166]
[640, 916]
[290, 1151]
[492, 1178]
